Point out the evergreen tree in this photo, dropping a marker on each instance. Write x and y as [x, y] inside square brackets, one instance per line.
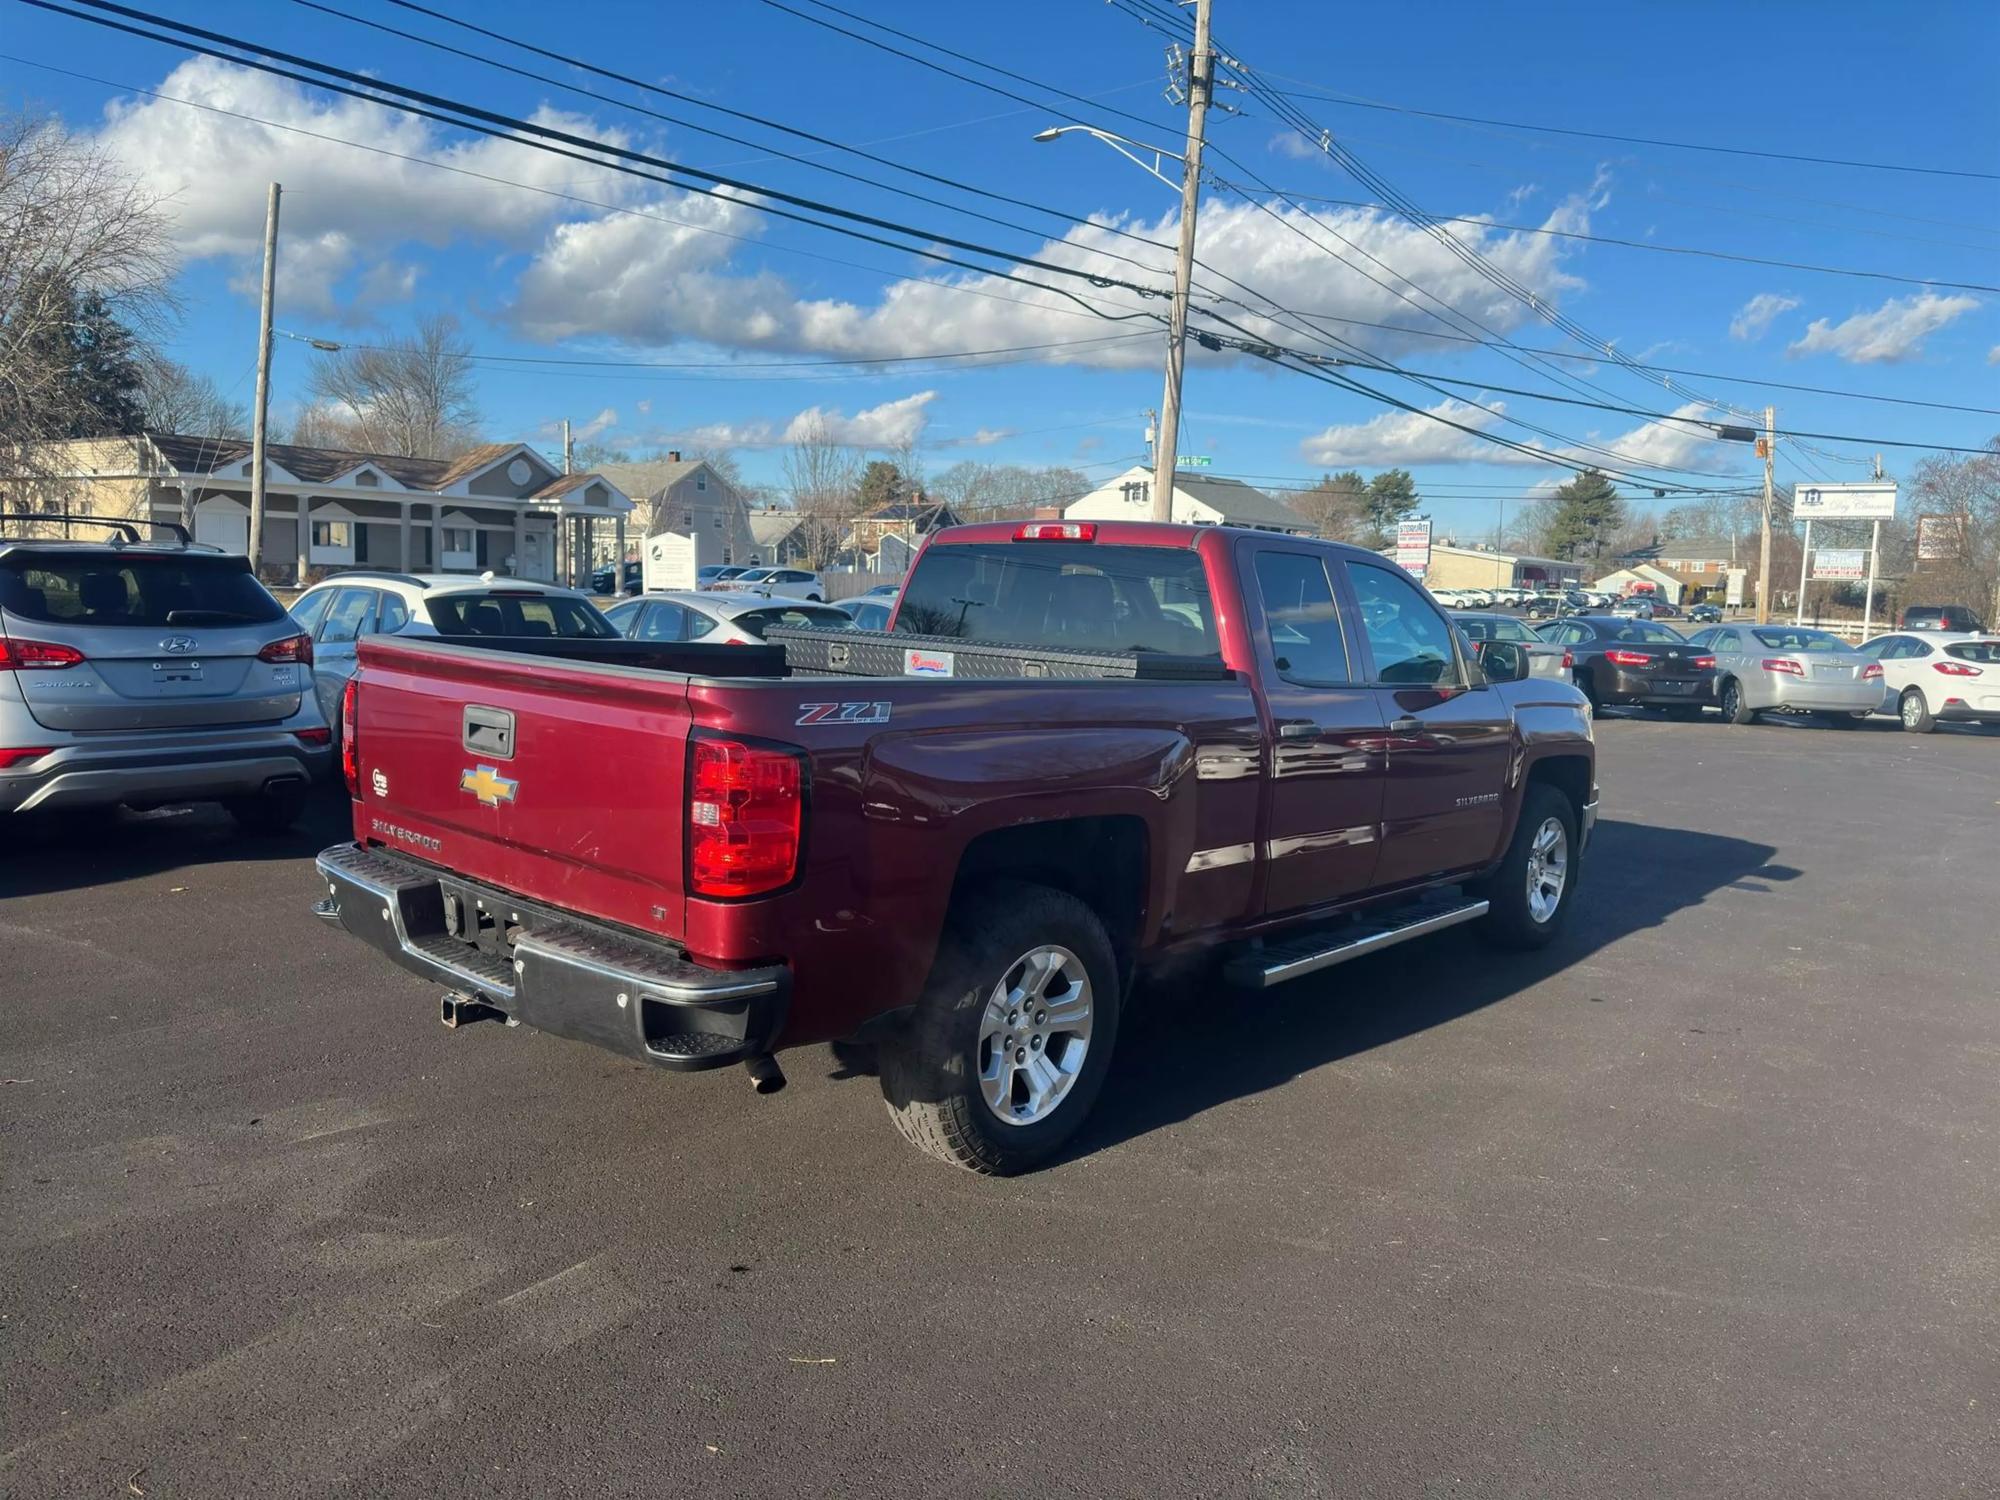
[1392, 497]
[1587, 511]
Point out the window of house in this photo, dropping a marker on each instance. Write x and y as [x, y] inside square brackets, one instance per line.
[366, 480]
[687, 518]
[458, 539]
[335, 534]
[701, 481]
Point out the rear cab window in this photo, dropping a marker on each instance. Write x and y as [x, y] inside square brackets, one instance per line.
[107, 588]
[1074, 595]
[1301, 619]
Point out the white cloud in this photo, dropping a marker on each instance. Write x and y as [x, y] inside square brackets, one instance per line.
[597, 426]
[1894, 331]
[890, 425]
[1411, 438]
[1756, 315]
[342, 207]
[985, 437]
[1297, 147]
[1993, 355]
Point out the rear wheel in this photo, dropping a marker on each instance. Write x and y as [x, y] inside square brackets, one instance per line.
[1589, 686]
[1528, 897]
[1734, 709]
[1008, 1048]
[275, 811]
[1915, 712]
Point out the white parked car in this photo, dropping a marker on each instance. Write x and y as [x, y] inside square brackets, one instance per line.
[791, 583]
[348, 606]
[1928, 675]
[716, 617]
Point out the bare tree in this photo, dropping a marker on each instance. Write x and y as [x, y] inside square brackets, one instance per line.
[174, 398]
[1336, 507]
[413, 396]
[824, 479]
[85, 273]
[1964, 495]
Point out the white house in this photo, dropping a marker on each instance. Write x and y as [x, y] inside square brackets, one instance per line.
[1198, 501]
[501, 506]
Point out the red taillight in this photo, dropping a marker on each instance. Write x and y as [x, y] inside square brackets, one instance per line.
[293, 648]
[12, 758]
[1954, 669]
[313, 736]
[350, 738]
[31, 656]
[745, 804]
[1872, 672]
[1628, 658]
[1569, 659]
[1782, 664]
[1704, 663]
[1056, 531]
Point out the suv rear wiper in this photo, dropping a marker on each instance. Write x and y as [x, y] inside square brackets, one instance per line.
[207, 617]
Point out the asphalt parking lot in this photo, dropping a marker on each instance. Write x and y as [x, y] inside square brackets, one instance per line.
[1703, 1201]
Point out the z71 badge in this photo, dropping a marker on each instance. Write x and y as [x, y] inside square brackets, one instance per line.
[843, 713]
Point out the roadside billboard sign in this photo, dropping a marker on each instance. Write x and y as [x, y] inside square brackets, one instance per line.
[1733, 587]
[1865, 500]
[1840, 562]
[1413, 546]
[1940, 537]
[670, 561]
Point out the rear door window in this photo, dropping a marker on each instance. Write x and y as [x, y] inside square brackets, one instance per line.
[663, 622]
[349, 616]
[145, 593]
[1075, 595]
[393, 615]
[1301, 619]
[310, 610]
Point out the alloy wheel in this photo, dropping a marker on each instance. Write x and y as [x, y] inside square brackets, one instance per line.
[1033, 1035]
[1548, 869]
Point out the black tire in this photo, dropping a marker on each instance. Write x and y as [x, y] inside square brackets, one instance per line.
[1510, 920]
[1915, 712]
[931, 1069]
[1734, 709]
[1687, 713]
[272, 813]
[1589, 686]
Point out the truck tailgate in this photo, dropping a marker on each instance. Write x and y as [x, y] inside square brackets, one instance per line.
[559, 781]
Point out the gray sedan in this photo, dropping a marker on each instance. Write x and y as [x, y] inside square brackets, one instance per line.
[718, 619]
[1544, 660]
[1789, 669]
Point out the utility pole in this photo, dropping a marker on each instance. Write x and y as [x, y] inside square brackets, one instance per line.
[569, 450]
[1764, 546]
[256, 547]
[1166, 448]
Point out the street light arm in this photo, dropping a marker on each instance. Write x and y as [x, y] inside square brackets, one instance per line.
[1124, 146]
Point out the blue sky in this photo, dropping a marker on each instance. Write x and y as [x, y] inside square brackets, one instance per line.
[599, 266]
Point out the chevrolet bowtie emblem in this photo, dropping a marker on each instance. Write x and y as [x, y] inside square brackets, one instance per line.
[488, 785]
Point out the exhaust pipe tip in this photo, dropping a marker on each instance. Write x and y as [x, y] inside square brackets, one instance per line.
[766, 1077]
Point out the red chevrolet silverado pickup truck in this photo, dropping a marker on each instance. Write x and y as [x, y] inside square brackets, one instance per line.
[1083, 751]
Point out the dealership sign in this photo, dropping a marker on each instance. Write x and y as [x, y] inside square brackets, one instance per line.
[1940, 537]
[1867, 500]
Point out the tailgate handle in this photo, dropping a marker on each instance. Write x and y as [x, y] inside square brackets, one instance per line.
[488, 731]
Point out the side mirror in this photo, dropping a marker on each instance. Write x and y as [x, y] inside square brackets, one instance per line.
[1504, 661]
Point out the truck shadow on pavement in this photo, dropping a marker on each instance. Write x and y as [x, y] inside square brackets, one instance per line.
[1635, 877]
[42, 853]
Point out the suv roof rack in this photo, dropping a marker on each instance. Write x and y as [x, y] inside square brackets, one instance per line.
[126, 533]
[388, 573]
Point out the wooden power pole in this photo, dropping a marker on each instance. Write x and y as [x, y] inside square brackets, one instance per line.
[256, 545]
[1764, 546]
[1166, 448]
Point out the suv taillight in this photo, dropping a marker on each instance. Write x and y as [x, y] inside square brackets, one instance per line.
[745, 814]
[293, 648]
[30, 656]
[350, 739]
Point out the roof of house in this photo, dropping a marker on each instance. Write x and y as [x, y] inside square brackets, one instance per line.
[1702, 547]
[650, 476]
[203, 455]
[770, 527]
[1240, 504]
[562, 484]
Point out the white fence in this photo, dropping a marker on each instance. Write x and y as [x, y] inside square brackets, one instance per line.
[847, 585]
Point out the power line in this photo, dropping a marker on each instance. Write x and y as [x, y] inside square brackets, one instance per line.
[1350, 102]
[1605, 239]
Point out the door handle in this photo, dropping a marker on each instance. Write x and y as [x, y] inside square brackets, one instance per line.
[1299, 729]
[1405, 725]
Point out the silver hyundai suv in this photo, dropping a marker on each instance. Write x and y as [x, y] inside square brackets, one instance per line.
[150, 672]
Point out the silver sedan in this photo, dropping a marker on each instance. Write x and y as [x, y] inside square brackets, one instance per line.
[1789, 669]
[1544, 660]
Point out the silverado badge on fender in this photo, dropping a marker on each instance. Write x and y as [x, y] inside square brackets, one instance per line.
[488, 785]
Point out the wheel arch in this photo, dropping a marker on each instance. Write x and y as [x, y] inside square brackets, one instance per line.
[1102, 861]
[1571, 775]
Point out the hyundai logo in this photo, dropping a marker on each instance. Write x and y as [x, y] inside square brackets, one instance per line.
[178, 645]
